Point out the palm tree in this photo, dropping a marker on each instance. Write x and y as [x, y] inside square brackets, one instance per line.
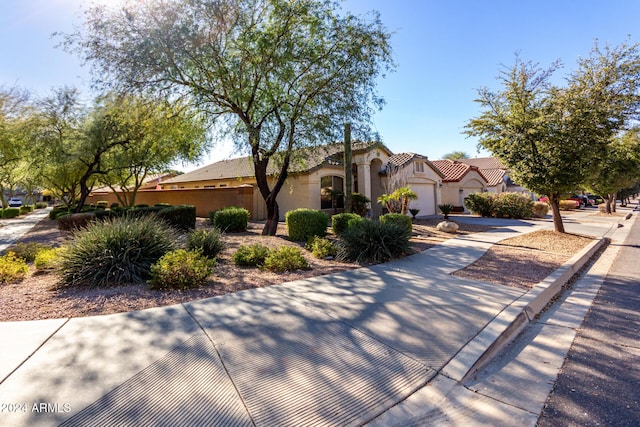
[404, 194]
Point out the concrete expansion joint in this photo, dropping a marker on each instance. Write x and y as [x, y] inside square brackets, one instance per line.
[35, 350]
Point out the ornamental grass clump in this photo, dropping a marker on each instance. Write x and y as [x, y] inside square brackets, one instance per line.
[116, 252]
[181, 269]
[209, 242]
[373, 242]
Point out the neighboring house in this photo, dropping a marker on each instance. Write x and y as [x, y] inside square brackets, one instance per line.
[460, 180]
[150, 182]
[316, 178]
[496, 173]
[493, 171]
[421, 175]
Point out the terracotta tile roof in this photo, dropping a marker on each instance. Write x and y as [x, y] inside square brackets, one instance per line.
[453, 170]
[491, 167]
[307, 159]
[493, 176]
[484, 163]
[402, 159]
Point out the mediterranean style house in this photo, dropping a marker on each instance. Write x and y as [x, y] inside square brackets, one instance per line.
[316, 180]
[316, 175]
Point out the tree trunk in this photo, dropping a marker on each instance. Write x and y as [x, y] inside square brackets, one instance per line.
[610, 203]
[273, 217]
[558, 225]
[613, 202]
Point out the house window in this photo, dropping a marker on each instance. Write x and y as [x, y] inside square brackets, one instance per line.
[209, 186]
[331, 192]
[419, 167]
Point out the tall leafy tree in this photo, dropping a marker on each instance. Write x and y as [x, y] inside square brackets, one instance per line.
[619, 168]
[164, 134]
[554, 137]
[14, 118]
[456, 155]
[55, 139]
[281, 74]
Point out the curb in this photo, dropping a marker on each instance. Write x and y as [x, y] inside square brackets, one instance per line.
[514, 318]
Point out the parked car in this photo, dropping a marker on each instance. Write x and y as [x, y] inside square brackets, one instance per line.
[595, 200]
[582, 201]
[14, 202]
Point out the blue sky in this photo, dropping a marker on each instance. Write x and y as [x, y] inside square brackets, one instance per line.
[445, 50]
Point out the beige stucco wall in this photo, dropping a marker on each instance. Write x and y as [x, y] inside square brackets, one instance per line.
[455, 192]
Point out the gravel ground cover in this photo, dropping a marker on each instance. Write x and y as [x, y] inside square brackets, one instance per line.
[526, 261]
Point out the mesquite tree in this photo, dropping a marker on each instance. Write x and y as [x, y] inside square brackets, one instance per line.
[279, 74]
[554, 138]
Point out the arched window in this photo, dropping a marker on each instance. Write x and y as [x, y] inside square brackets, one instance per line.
[331, 192]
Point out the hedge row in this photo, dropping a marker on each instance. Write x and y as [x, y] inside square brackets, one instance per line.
[503, 205]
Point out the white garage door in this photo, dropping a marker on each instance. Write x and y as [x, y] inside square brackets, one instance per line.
[426, 199]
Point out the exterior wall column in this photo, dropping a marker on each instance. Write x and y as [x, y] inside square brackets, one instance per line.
[364, 179]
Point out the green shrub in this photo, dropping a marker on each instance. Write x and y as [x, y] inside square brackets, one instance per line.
[302, 224]
[540, 209]
[115, 252]
[75, 221]
[251, 255]
[286, 258]
[512, 205]
[114, 205]
[57, 210]
[209, 242]
[10, 212]
[321, 247]
[41, 205]
[12, 268]
[141, 205]
[360, 204]
[139, 212]
[25, 209]
[182, 217]
[28, 251]
[230, 219]
[102, 204]
[373, 242]
[568, 205]
[60, 214]
[354, 221]
[181, 269]
[399, 219]
[480, 203]
[164, 205]
[48, 259]
[340, 222]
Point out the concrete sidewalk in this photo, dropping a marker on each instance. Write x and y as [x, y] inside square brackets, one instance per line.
[13, 228]
[332, 350]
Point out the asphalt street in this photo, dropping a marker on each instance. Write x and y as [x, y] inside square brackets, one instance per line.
[599, 382]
